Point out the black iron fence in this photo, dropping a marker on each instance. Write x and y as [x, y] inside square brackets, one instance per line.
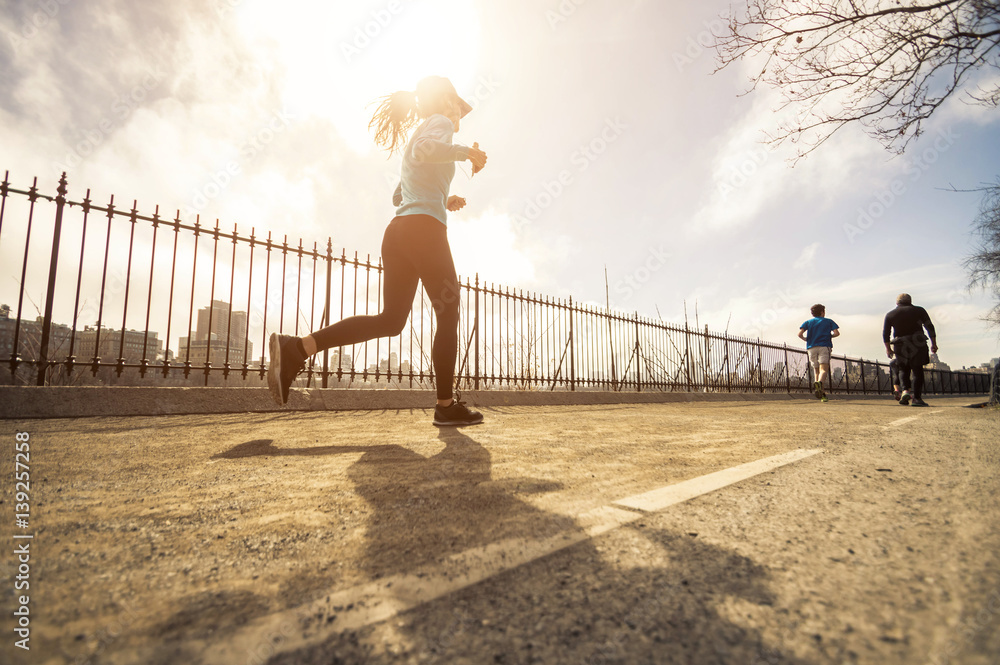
[104, 294]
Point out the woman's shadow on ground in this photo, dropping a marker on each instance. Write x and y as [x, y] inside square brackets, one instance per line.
[427, 508]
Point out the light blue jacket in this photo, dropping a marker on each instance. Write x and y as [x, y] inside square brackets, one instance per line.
[427, 170]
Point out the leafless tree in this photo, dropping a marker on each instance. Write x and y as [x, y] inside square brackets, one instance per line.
[984, 264]
[887, 64]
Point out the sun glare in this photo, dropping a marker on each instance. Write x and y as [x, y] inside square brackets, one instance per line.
[338, 58]
[505, 262]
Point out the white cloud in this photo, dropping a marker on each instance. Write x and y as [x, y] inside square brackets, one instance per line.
[807, 257]
[750, 177]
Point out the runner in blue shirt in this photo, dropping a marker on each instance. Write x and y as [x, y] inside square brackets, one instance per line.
[818, 333]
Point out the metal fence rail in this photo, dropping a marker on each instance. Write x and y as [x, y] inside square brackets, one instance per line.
[138, 299]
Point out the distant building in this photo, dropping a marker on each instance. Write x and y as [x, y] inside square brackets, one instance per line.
[390, 365]
[214, 351]
[936, 363]
[29, 337]
[221, 337]
[6, 332]
[860, 376]
[106, 344]
[345, 362]
[223, 325]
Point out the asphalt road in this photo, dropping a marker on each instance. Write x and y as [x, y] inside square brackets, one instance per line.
[616, 534]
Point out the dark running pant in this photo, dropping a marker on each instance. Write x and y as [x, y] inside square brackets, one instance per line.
[904, 367]
[414, 247]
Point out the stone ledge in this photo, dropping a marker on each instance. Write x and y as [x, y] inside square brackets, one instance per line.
[89, 401]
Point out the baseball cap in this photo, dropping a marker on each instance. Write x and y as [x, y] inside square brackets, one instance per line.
[436, 86]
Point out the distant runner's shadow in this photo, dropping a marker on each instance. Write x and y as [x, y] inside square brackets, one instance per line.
[426, 508]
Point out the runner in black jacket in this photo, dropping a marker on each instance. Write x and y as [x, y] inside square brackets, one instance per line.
[909, 344]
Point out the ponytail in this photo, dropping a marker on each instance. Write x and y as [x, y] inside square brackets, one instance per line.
[395, 115]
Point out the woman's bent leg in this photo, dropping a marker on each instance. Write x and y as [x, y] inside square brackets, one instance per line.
[289, 354]
[398, 287]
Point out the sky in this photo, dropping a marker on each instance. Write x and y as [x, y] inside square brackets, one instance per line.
[613, 150]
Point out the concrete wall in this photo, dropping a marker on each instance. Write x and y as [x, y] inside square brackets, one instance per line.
[76, 401]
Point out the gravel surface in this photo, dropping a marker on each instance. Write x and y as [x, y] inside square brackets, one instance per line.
[177, 539]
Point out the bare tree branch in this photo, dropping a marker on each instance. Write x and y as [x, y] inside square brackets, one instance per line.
[887, 64]
[983, 265]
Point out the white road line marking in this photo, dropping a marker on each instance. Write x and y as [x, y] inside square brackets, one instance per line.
[910, 419]
[664, 497]
[365, 604]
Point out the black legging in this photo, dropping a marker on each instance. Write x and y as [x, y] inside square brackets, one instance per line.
[911, 355]
[414, 247]
[907, 365]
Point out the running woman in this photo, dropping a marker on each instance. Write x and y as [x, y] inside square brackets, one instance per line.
[414, 247]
